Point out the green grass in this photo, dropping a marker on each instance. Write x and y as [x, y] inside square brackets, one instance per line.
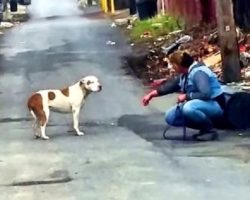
[157, 26]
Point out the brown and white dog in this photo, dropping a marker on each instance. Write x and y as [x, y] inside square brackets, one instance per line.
[67, 100]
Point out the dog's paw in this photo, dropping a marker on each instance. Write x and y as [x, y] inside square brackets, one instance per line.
[37, 135]
[45, 137]
[80, 133]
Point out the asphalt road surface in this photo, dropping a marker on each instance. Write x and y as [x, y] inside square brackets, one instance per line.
[122, 155]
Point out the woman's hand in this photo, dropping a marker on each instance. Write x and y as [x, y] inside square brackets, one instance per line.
[182, 98]
[148, 97]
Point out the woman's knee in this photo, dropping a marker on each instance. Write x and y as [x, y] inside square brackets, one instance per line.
[188, 109]
[173, 117]
[169, 118]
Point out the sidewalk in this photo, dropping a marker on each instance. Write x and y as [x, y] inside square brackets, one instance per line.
[14, 18]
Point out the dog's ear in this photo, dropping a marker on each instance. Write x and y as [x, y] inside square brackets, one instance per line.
[81, 84]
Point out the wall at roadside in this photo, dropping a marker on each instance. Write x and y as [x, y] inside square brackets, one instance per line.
[193, 11]
[197, 11]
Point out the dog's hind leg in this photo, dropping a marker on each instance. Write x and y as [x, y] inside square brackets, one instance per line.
[35, 125]
[43, 123]
[40, 112]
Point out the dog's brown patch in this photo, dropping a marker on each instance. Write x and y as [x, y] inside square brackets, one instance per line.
[35, 104]
[51, 95]
[65, 91]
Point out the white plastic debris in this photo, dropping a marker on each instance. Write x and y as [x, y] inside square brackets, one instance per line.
[130, 26]
[174, 46]
[247, 73]
[160, 39]
[184, 39]
[110, 43]
[6, 25]
[113, 24]
[121, 21]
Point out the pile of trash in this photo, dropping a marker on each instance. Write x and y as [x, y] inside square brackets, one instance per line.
[201, 42]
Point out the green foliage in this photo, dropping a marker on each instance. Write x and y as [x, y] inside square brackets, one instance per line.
[157, 26]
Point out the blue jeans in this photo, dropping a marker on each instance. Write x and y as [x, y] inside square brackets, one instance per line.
[196, 114]
[147, 9]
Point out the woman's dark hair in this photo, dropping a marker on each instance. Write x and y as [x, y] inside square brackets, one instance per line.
[181, 58]
[187, 60]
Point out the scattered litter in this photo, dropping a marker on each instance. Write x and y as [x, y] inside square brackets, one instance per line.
[132, 44]
[177, 32]
[6, 25]
[174, 46]
[160, 39]
[245, 58]
[202, 42]
[146, 34]
[240, 134]
[246, 88]
[122, 21]
[110, 43]
[113, 24]
[130, 26]
[213, 60]
[247, 74]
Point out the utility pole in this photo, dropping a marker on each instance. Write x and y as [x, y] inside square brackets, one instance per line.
[228, 41]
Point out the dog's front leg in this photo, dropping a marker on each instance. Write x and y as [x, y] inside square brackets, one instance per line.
[76, 112]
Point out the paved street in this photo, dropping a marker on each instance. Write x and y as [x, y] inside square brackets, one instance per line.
[122, 156]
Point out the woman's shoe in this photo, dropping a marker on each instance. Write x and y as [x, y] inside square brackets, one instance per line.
[208, 135]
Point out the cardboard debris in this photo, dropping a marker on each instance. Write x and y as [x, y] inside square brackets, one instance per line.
[146, 34]
[214, 60]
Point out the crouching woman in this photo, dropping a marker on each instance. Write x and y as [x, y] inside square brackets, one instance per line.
[201, 97]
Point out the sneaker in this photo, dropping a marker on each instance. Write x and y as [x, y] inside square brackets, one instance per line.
[210, 135]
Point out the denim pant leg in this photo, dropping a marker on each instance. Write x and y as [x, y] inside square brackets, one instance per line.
[174, 117]
[199, 113]
[142, 10]
[152, 8]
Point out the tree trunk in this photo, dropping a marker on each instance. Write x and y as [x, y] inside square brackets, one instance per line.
[228, 41]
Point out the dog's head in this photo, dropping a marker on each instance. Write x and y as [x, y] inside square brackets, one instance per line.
[91, 84]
